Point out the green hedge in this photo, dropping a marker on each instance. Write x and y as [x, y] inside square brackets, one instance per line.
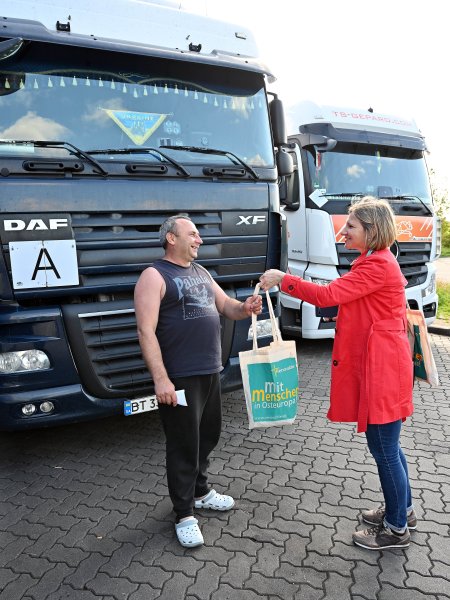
[443, 290]
[445, 233]
[445, 237]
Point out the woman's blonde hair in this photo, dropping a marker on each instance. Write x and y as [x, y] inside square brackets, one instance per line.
[378, 220]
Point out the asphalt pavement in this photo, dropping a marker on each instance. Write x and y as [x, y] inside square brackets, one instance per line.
[443, 269]
[84, 511]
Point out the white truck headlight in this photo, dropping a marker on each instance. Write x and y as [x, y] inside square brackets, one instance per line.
[320, 281]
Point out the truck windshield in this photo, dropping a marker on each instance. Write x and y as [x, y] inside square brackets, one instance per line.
[127, 101]
[352, 169]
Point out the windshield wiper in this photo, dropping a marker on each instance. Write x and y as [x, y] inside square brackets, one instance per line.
[201, 150]
[144, 150]
[344, 195]
[406, 196]
[57, 144]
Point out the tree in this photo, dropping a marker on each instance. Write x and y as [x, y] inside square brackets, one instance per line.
[440, 195]
[442, 204]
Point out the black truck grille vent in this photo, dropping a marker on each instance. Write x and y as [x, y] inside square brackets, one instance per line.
[113, 350]
[114, 248]
[106, 349]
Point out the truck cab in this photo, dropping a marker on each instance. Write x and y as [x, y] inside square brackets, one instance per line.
[341, 154]
[114, 116]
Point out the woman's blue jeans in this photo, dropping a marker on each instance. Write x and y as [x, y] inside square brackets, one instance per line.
[384, 445]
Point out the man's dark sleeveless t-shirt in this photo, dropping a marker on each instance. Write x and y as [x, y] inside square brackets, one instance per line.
[188, 329]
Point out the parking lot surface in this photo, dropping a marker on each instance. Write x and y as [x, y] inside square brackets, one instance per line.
[85, 515]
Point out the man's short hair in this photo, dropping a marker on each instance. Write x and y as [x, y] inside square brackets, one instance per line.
[170, 226]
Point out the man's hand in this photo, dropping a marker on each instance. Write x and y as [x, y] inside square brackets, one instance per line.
[235, 309]
[253, 304]
[270, 278]
[165, 392]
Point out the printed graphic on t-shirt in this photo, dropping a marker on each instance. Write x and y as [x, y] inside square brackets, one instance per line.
[196, 295]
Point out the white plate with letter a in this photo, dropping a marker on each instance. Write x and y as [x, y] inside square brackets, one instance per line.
[43, 263]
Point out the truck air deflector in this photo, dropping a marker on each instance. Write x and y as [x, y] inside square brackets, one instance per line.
[365, 136]
[33, 31]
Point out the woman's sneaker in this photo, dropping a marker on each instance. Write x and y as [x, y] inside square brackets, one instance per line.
[381, 537]
[376, 517]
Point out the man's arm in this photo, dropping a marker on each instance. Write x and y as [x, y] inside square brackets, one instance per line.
[233, 309]
[148, 293]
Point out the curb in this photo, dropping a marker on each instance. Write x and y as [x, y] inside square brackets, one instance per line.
[439, 329]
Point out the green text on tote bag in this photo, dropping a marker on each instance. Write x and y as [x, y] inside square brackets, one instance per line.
[274, 390]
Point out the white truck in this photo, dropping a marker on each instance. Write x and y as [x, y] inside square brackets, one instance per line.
[340, 154]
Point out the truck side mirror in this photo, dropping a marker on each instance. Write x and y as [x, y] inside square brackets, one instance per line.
[285, 164]
[278, 123]
[321, 143]
[328, 145]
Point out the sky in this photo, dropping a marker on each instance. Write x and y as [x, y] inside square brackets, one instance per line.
[391, 55]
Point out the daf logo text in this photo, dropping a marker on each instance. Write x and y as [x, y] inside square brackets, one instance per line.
[34, 224]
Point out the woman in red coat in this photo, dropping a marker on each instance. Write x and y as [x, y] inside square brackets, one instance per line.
[372, 370]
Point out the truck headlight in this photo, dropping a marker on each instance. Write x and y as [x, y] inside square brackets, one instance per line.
[320, 281]
[23, 360]
[431, 287]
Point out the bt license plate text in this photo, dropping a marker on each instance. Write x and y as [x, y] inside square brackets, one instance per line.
[139, 405]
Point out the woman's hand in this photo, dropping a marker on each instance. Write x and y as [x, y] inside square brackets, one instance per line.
[270, 278]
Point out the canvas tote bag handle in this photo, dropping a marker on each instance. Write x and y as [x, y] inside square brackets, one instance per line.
[275, 330]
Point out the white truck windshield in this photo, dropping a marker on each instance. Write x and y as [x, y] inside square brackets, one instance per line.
[379, 171]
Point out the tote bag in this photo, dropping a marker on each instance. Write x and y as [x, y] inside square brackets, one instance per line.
[270, 378]
[423, 359]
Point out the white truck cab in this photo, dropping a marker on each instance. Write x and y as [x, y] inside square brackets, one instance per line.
[341, 154]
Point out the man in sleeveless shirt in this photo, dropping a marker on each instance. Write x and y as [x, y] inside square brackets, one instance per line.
[177, 310]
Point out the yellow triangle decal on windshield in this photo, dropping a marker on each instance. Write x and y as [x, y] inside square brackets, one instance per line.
[138, 126]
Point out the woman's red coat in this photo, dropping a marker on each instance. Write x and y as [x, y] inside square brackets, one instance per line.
[372, 370]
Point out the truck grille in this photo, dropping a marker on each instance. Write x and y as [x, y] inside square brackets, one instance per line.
[412, 258]
[106, 349]
[114, 248]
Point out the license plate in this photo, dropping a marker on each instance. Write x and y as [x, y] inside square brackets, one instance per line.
[139, 405]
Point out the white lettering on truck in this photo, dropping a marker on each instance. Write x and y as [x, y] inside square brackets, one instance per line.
[255, 219]
[34, 224]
